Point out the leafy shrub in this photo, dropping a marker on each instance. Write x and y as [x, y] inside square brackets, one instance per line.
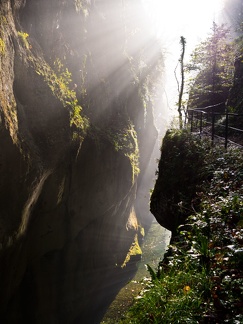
[200, 279]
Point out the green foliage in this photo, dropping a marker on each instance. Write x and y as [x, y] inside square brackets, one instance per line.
[122, 135]
[2, 46]
[124, 139]
[239, 46]
[176, 297]
[24, 38]
[141, 230]
[60, 85]
[200, 277]
[213, 62]
[151, 272]
[59, 81]
[3, 24]
[133, 251]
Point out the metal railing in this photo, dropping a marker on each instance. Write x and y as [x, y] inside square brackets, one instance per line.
[221, 125]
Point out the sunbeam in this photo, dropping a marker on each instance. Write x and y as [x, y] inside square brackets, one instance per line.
[172, 19]
[87, 90]
[184, 17]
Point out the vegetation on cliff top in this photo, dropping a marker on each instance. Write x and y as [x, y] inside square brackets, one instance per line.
[181, 170]
[212, 64]
[200, 279]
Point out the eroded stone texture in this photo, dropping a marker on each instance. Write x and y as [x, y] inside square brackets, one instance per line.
[68, 208]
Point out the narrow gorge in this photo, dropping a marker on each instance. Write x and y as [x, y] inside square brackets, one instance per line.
[76, 135]
[85, 99]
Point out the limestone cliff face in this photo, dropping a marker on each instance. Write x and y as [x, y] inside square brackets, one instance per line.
[72, 138]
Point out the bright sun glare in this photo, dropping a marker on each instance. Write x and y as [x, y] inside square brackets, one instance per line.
[171, 19]
[190, 18]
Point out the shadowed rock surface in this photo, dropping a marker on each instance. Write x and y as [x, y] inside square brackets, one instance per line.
[73, 133]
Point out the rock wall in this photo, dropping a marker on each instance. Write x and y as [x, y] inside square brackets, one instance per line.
[73, 135]
[180, 171]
